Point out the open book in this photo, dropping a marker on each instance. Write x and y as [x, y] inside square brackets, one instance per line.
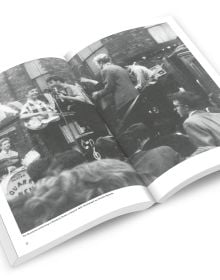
[119, 126]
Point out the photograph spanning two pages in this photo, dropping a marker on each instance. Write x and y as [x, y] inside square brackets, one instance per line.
[115, 128]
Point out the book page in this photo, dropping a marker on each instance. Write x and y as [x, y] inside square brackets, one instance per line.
[56, 176]
[160, 99]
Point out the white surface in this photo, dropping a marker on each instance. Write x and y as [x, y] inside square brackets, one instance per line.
[184, 173]
[179, 239]
[71, 223]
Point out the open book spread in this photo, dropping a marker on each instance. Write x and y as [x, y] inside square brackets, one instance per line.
[117, 127]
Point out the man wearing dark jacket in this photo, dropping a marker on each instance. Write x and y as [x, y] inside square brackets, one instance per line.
[118, 91]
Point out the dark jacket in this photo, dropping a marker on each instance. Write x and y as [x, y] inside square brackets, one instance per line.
[154, 162]
[118, 89]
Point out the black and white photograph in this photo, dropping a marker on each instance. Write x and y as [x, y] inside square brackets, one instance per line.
[159, 103]
[121, 112]
[50, 160]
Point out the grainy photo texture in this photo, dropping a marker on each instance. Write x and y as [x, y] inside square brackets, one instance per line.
[121, 112]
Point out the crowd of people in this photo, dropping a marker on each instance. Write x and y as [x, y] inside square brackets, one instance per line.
[132, 152]
[63, 191]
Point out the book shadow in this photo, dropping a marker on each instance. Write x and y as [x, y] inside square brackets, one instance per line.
[196, 186]
[191, 189]
[98, 229]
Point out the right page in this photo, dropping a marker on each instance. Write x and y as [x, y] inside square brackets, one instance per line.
[160, 99]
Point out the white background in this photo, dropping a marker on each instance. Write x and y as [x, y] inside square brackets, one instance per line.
[179, 239]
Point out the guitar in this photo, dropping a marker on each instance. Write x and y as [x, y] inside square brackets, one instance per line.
[40, 122]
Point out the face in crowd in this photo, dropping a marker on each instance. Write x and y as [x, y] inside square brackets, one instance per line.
[214, 99]
[56, 81]
[101, 59]
[181, 109]
[6, 145]
[51, 83]
[33, 94]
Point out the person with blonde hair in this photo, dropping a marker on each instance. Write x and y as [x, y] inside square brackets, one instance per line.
[143, 76]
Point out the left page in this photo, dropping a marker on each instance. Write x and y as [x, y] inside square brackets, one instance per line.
[54, 180]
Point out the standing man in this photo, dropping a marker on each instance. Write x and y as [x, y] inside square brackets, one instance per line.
[118, 91]
[202, 127]
[38, 111]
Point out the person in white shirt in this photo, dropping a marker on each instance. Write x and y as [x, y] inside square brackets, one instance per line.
[50, 135]
[9, 159]
[143, 76]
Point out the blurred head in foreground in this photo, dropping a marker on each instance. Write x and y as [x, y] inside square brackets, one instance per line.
[64, 161]
[37, 169]
[73, 187]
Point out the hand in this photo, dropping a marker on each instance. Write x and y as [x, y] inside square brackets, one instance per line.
[138, 87]
[62, 96]
[11, 169]
[52, 113]
[85, 80]
[43, 114]
[95, 95]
